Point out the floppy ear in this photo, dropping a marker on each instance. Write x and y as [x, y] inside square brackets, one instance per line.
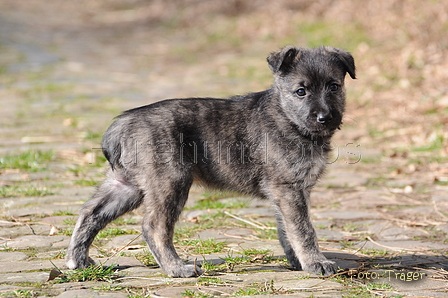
[345, 58]
[283, 60]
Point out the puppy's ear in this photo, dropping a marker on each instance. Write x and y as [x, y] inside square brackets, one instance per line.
[345, 58]
[283, 60]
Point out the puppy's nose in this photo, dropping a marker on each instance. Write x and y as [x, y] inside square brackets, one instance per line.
[324, 118]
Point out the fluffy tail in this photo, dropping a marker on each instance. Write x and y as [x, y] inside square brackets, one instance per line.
[111, 144]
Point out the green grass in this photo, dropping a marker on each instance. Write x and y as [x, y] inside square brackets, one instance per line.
[270, 234]
[441, 183]
[104, 234]
[193, 294]
[37, 90]
[376, 182]
[258, 288]
[91, 273]
[124, 221]
[30, 251]
[209, 221]
[19, 294]
[248, 256]
[426, 159]
[436, 144]
[69, 221]
[24, 191]
[232, 261]
[379, 286]
[318, 33]
[115, 231]
[247, 292]
[345, 244]
[216, 203]
[371, 159]
[202, 247]
[86, 182]
[94, 137]
[374, 252]
[63, 213]
[218, 220]
[262, 255]
[31, 284]
[210, 267]
[219, 194]
[66, 231]
[255, 73]
[59, 255]
[138, 293]
[146, 258]
[209, 280]
[31, 160]
[252, 255]
[350, 227]
[109, 288]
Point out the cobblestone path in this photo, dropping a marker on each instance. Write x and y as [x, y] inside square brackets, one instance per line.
[63, 79]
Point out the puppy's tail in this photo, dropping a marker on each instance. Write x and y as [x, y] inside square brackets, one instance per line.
[112, 144]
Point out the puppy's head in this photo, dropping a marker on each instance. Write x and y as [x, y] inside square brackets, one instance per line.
[310, 84]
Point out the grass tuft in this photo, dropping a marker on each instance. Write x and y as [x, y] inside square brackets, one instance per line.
[111, 232]
[91, 273]
[146, 258]
[24, 191]
[203, 247]
[31, 160]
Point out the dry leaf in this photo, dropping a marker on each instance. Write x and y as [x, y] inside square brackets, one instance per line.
[53, 274]
[53, 230]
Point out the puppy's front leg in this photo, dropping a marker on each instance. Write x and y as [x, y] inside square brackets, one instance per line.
[284, 241]
[297, 232]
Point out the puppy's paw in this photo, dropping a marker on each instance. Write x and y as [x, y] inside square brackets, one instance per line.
[294, 262]
[73, 263]
[185, 271]
[321, 267]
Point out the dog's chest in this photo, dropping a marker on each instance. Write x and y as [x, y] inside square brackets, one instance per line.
[318, 166]
[311, 166]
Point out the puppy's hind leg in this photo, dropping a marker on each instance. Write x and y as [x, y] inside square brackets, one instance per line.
[163, 207]
[113, 198]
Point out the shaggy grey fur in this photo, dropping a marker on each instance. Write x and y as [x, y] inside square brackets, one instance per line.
[271, 144]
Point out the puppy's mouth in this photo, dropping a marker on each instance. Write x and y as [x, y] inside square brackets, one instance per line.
[322, 133]
[326, 129]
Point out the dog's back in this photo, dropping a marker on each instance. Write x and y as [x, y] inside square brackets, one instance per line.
[190, 133]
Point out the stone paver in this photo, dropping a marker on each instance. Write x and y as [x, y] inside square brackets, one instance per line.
[61, 84]
[90, 293]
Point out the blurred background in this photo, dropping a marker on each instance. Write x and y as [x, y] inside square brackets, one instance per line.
[68, 67]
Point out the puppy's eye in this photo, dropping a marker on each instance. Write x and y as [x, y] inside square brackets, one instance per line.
[301, 92]
[334, 87]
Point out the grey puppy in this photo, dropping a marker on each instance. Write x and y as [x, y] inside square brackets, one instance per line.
[271, 144]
